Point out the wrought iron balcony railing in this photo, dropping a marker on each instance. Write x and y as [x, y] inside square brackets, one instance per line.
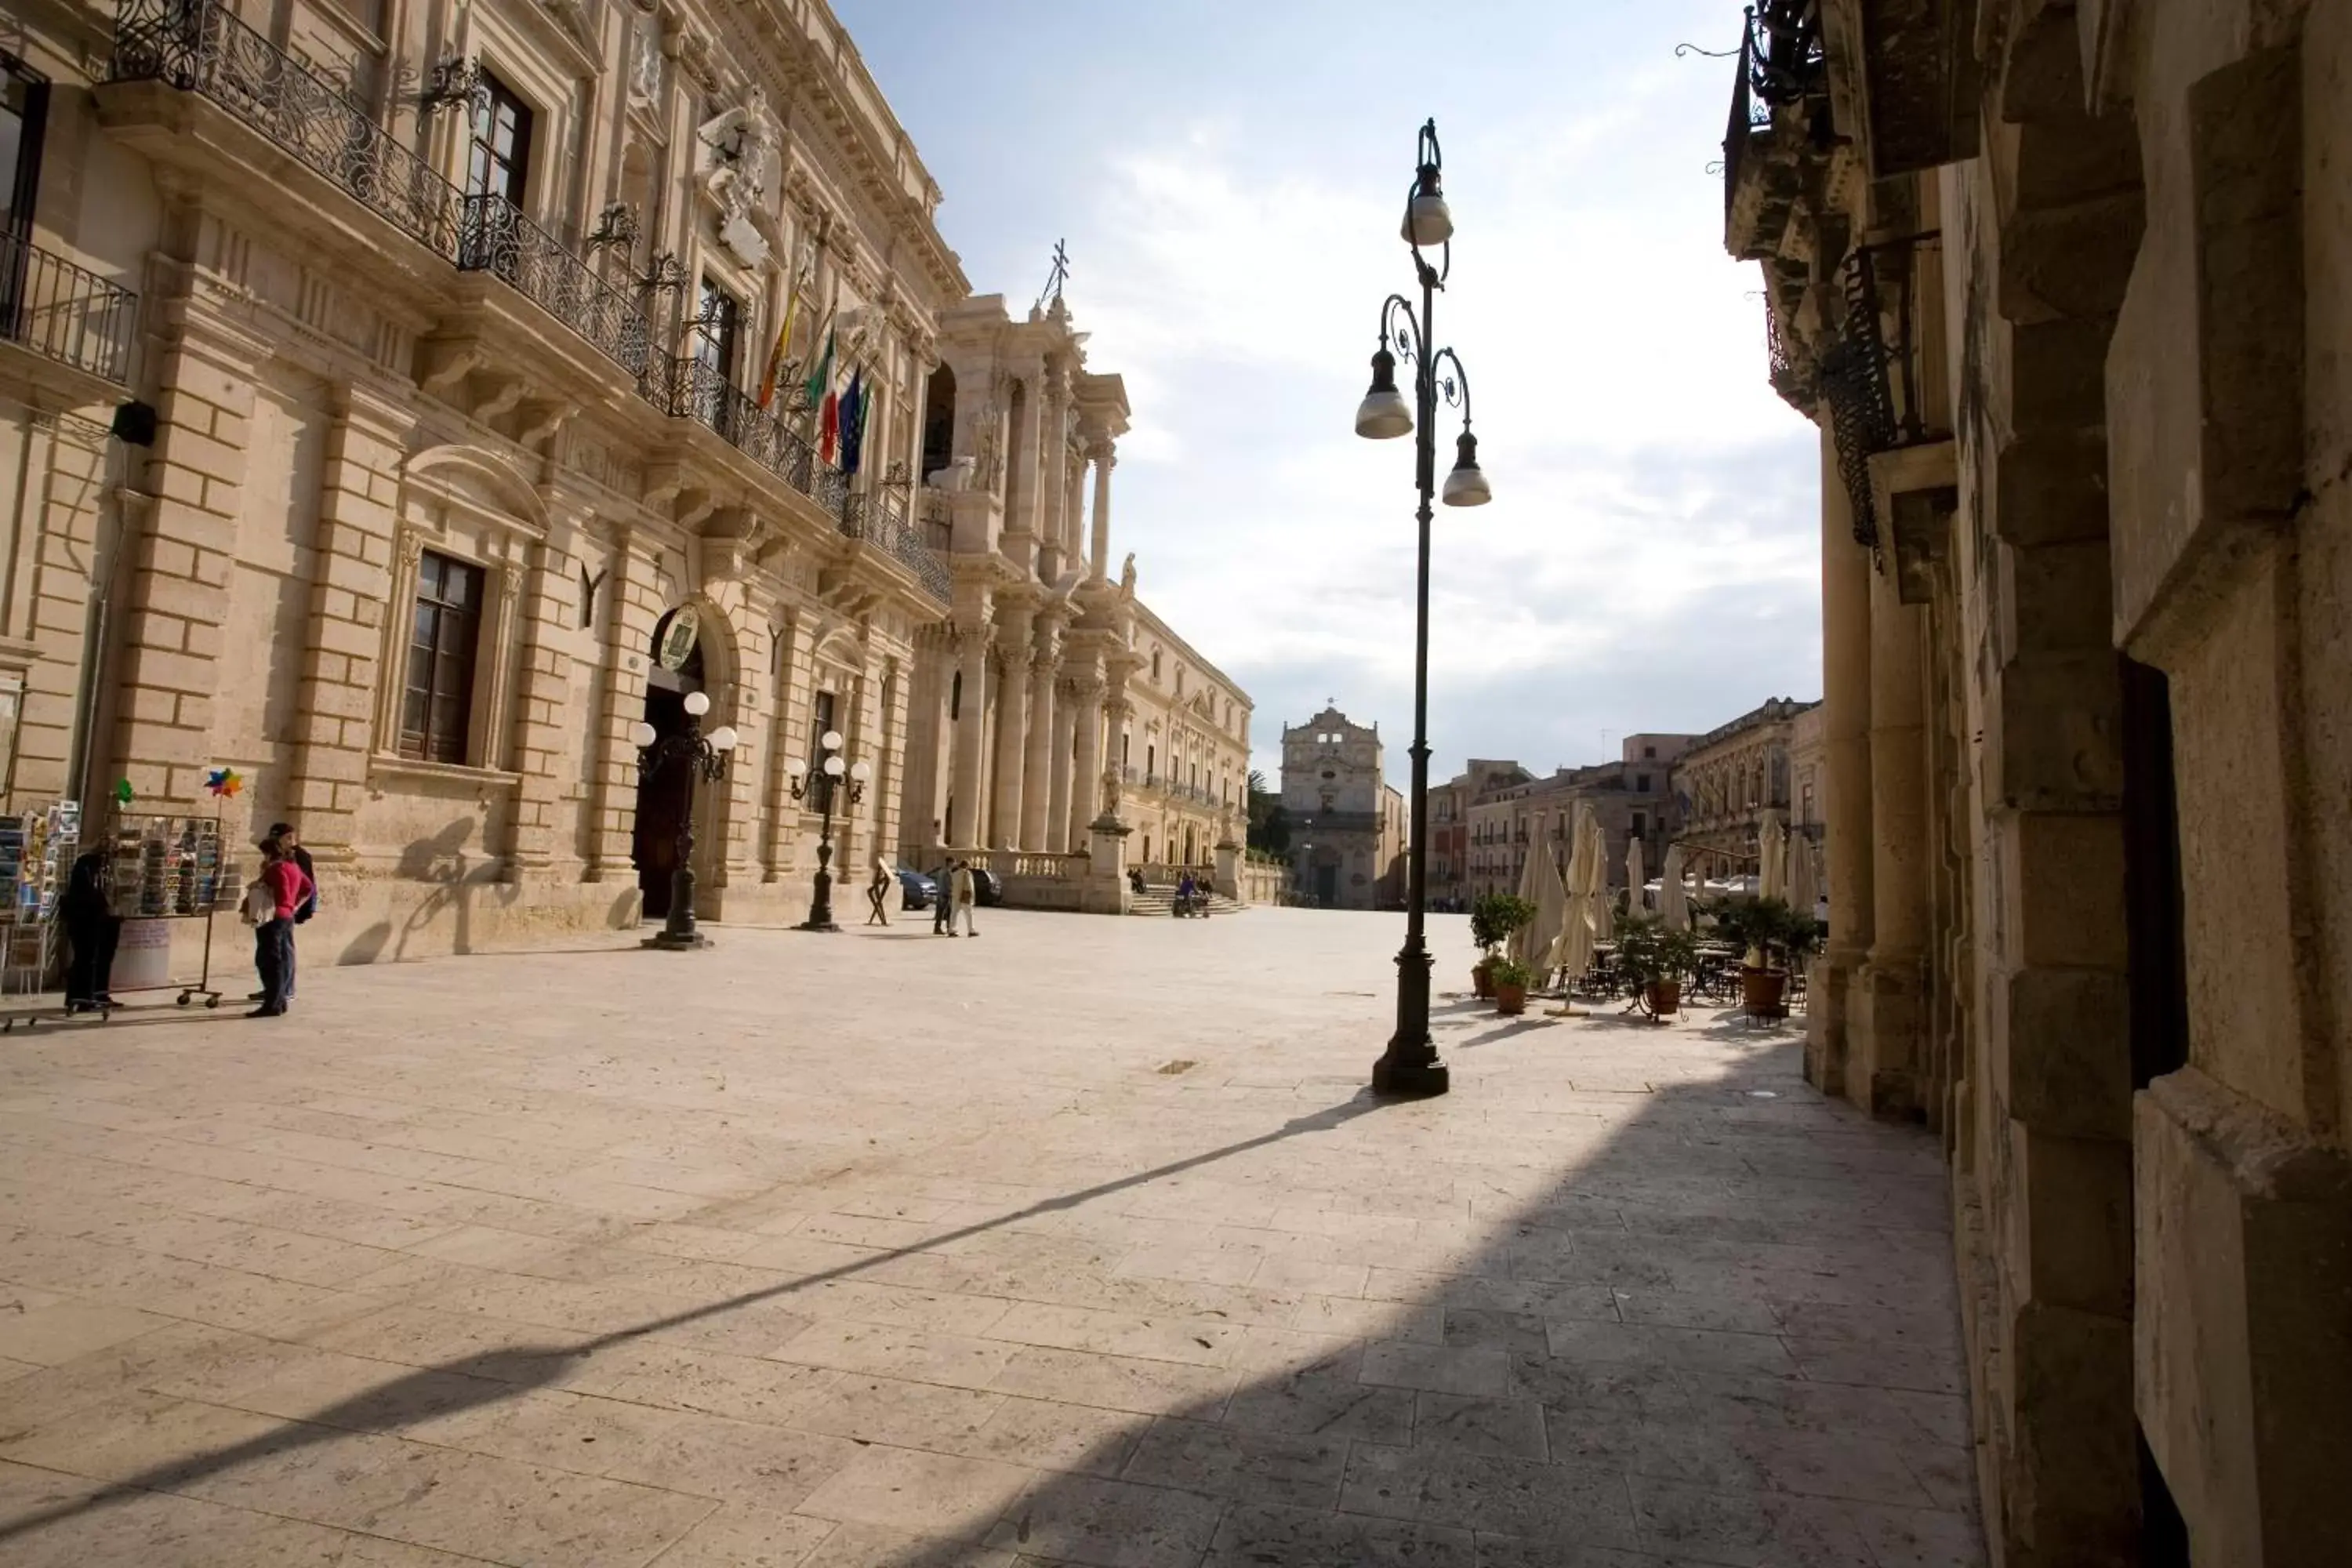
[1870, 372]
[65, 312]
[201, 47]
[500, 239]
[1782, 63]
[883, 524]
[686, 388]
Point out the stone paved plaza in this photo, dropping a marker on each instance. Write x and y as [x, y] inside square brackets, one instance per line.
[1080, 1243]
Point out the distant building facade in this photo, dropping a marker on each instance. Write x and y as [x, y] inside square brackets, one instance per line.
[1630, 798]
[1730, 780]
[1344, 837]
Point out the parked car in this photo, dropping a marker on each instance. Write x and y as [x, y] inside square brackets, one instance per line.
[987, 887]
[915, 891]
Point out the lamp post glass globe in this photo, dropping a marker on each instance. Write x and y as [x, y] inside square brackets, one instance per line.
[830, 740]
[1383, 414]
[1427, 219]
[861, 772]
[796, 767]
[833, 766]
[1467, 486]
[698, 703]
[723, 739]
[643, 735]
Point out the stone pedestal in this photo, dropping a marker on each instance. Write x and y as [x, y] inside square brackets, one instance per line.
[1883, 1009]
[1105, 890]
[1229, 870]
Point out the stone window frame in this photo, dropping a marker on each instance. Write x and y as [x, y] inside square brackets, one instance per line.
[461, 528]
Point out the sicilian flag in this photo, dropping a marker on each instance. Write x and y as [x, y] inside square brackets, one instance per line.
[783, 346]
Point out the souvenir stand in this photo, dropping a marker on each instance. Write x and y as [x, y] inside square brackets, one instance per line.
[170, 868]
[37, 853]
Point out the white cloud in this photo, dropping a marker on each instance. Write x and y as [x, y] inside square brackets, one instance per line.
[1650, 559]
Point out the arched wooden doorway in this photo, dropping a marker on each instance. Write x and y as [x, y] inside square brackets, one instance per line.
[675, 666]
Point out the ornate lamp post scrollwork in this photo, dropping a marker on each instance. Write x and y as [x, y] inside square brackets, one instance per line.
[1411, 1065]
[832, 777]
[705, 759]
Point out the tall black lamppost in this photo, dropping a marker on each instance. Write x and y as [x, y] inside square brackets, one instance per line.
[703, 757]
[1411, 1065]
[823, 784]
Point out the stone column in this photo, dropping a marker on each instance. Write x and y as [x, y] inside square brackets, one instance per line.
[1105, 460]
[1059, 839]
[1052, 488]
[1021, 479]
[1085, 780]
[1037, 768]
[1012, 729]
[888, 756]
[1845, 759]
[964, 815]
[1074, 503]
[1884, 1007]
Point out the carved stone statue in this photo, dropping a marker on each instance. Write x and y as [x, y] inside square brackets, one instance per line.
[645, 57]
[740, 157]
[1126, 576]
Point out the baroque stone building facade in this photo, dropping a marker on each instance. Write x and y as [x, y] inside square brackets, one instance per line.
[1344, 837]
[2064, 287]
[1512, 817]
[401, 408]
[1727, 781]
[1053, 701]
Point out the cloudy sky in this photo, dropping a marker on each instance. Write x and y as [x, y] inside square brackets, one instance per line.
[1229, 178]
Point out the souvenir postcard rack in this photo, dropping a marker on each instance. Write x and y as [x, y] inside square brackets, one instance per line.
[170, 868]
[37, 855]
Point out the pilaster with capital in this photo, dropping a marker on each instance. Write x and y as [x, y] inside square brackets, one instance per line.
[1086, 796]
[546, 606]
[1014, 626]
[1059, 838]
[1036, 791]
[628, 632]
[964, 813]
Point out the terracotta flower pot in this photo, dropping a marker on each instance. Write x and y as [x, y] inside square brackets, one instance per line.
[1662, 996]
[1481, 977]
[1510, 1000]
[1760, 991]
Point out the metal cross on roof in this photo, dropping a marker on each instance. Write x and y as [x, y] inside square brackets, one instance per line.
[1059, 275]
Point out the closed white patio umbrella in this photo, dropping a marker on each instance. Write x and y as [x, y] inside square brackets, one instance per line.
[1674, 895]
[1634, 904]
[1772, 850]
[1604, 906]
[1571, 951]
[1529, 941]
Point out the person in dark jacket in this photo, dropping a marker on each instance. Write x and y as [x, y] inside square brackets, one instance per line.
[942, 906]
[92, 929]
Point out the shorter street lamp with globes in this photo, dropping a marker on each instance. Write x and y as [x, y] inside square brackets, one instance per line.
[823, 783]
[704, 757]
[1411, 1065]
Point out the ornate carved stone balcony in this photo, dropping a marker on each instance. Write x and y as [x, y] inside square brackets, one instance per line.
[1780, 132]
[67, 316]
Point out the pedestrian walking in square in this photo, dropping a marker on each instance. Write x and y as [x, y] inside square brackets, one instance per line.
[942, 900]
[876, 893]
[284, 833]
[965, 895]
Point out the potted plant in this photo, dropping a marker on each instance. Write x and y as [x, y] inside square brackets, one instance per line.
[1773, 934]
[1493, 919]
[1657, 962]
[1510, 979]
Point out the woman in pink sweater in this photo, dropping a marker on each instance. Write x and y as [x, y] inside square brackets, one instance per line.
[273, 939]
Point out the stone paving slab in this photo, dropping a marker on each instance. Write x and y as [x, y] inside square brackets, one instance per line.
[1077, 1245]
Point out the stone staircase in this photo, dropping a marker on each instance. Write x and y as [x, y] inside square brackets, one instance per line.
[1160, 899]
